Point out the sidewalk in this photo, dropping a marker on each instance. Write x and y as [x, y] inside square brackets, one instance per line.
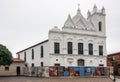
[54, 79]
[117, 79]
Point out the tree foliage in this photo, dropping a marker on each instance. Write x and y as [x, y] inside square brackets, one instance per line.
[5, 56]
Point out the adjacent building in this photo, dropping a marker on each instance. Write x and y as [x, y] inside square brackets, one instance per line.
[16, 68]
[80, 42]
[113, 63]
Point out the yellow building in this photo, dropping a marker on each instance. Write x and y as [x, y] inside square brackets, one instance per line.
[16, 68]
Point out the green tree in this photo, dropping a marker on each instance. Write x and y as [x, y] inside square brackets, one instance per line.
[5, 56]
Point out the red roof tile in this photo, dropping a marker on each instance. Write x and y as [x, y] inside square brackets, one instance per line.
[18, 60]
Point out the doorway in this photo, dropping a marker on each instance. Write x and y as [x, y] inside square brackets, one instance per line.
[18, 71]
[80, 62]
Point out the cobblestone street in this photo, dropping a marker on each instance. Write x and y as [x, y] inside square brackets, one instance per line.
[54, 79]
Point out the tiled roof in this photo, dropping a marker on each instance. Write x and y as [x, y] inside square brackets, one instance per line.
[18, 60]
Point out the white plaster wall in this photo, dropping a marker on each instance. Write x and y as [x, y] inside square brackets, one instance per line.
[28, 57]
[37, 55]
[75, 39]
[63, 60]
[21, 55]
[46, 58]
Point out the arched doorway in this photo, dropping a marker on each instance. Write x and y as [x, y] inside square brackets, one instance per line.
[80, 62]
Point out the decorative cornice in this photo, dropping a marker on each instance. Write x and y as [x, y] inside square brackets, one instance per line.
[62, 32]
[52, 54]
[97, 13]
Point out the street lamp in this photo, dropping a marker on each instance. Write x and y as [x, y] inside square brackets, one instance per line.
[114, 67]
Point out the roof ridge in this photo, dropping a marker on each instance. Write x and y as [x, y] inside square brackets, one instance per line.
[33, 46]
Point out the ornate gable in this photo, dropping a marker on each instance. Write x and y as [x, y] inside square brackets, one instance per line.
[69, 23]
[78, 22]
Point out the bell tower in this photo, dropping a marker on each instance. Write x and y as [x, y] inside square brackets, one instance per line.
[97, 17]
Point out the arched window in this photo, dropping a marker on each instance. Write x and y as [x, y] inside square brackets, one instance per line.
[100, 26]
[80, 48]
[90, 47]
[69, 47]
[42, 49]
[101, 50]
[32, 53]
[80, 62]
[56, 48]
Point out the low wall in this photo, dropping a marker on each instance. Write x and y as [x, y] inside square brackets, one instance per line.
[53, 71]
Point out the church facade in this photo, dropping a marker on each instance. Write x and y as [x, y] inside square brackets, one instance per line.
[80, 42]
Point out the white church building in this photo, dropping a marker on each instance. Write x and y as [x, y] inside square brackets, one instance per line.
[80, 42]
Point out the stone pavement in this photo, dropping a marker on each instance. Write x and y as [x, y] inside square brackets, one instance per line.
[54, 79]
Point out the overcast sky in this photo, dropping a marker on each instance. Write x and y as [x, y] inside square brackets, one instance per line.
[24, 23]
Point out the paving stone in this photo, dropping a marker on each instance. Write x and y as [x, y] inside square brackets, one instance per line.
[55, 79]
